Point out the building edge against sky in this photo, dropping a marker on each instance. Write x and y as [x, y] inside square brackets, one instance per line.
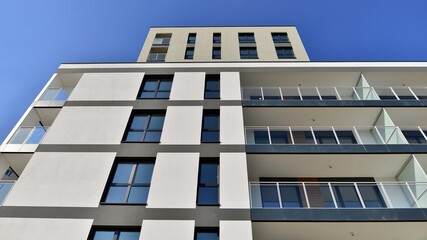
[220, 132]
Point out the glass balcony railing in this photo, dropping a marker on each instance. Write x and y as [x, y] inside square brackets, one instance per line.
[327, 135]
[334, 93]
[156, 57]
[28, 135]
[338, 194]
[5, 187]
[56, 94]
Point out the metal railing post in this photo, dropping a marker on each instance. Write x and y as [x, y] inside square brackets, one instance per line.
[333, 195]
[269, 135]
[314, 136]
[306, 195]
[394, 93]
[357, 135]
[357, 95]
[412, 194]
[359, 195]
[281, 94]
[379, 134]
[262, 93]
[291, 134]
[337, 93]
[318, 93]
[422, 132]
[299, 93]
[278, 194]
[336, 136]
[413, 93]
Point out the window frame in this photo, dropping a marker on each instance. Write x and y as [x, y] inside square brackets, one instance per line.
[280, 38]
[216, 38]
[159, 79]
[210, 113]
[114, 229]
[187, 55]
[191, 39]
[210, 185]
[212, 77]
[131, 180]
[150, 114]
[246, 37]
[248, 55]
[284, 55]
[206, 230]
[216, 56]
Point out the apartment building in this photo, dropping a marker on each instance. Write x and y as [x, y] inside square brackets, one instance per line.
[220, 133]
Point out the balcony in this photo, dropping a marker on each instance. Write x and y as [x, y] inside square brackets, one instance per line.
[28, 135]
[338, 201]
[56, 94]
[5, 187]
[334, 96]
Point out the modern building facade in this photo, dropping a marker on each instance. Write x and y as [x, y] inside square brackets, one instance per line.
[220, 133]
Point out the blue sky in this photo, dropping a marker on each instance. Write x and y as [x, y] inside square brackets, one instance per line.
[36, 36]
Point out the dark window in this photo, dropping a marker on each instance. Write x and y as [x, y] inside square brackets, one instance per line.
[216, 38]
[284, 52]
[414, 136]
[156, 87]
[248, 53]
[346, 137]
[280, 37]
[212, 87]
[210, 129]
[191, 38]
[145, 127]
[189, 53]
[114, 234]
[206, 234]
[130, 183]
[208, 183]
[216, 53]
[325, 137]
[246, 38]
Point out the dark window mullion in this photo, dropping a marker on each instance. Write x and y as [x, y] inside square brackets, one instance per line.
[130, 181]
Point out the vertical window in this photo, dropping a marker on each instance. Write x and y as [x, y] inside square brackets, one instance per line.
[216, 53]
[115, 235]
[208, 185]
[246, 38]
[216, 38]
[248, 53]
[206, 234]
[284, 52]
[212, 87]
[189, 53]
[280, 37]
[156, 87]
[210, 128]
[130, 183]
[191, 38]
[145, 127]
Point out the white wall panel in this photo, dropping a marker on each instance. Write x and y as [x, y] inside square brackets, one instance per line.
[233, 182]
[88, 125]
[167, 230]
[231, 230]
[174, 181]
[183, 125]
[62, 180]
[231, 125]
[44, 229]
[107, 86]
[188, 86]
[230, 86]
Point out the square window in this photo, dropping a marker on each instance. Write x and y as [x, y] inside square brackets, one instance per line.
[284, 52]
[145, 127]
[280, 37]
[246, 38]
[248, 53]
[156, 87]
[189, 53]
[130, 182]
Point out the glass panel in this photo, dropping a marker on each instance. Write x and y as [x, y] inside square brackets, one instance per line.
[346, 196]
[156, 122]
[148, 95]
[116, 195]
[325, 137]
[210, 136]
[50, 94]
[272, 94]
[303, 137]
[319, 195]
[269, 196]
[36, 136]
[4, 190]
[122, 173]
[212, 84]
[346, 137]
[152, 136]
[208, 195]
[165, 85]
[290, 195]
[129, 236]
[371, 196]
[138, 195]
[212, 94]
[138, 122]
[104, 235]
[261, 137]
[150, 85]
[280, 137]
[143, 174]
[209, 173]
[207, 236]
[163, 94]
[211, 122]
[252, 94]
[414, 137]
[290, 94]
[21, 135]
[62, 95]
[134, 136]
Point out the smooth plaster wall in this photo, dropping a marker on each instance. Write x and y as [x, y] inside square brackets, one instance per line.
[174, 181]
[44, 229]
[188, 86]
[231, 125]
[233, 181]
[167, 230]
[231, 230]
[183, 125]
[88, 125]
[230, 86]
[62, 180]
[107, 86]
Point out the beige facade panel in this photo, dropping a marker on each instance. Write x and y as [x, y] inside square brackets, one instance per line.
[44, 228]
[231, 125]
[233, 181]
[230, 86]
[88, 125]
[174, 181]
[183, 125]
[188, 86]
[229, 46]
[167, 230]
[230, 230]
[62, 180]
[107, 87]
